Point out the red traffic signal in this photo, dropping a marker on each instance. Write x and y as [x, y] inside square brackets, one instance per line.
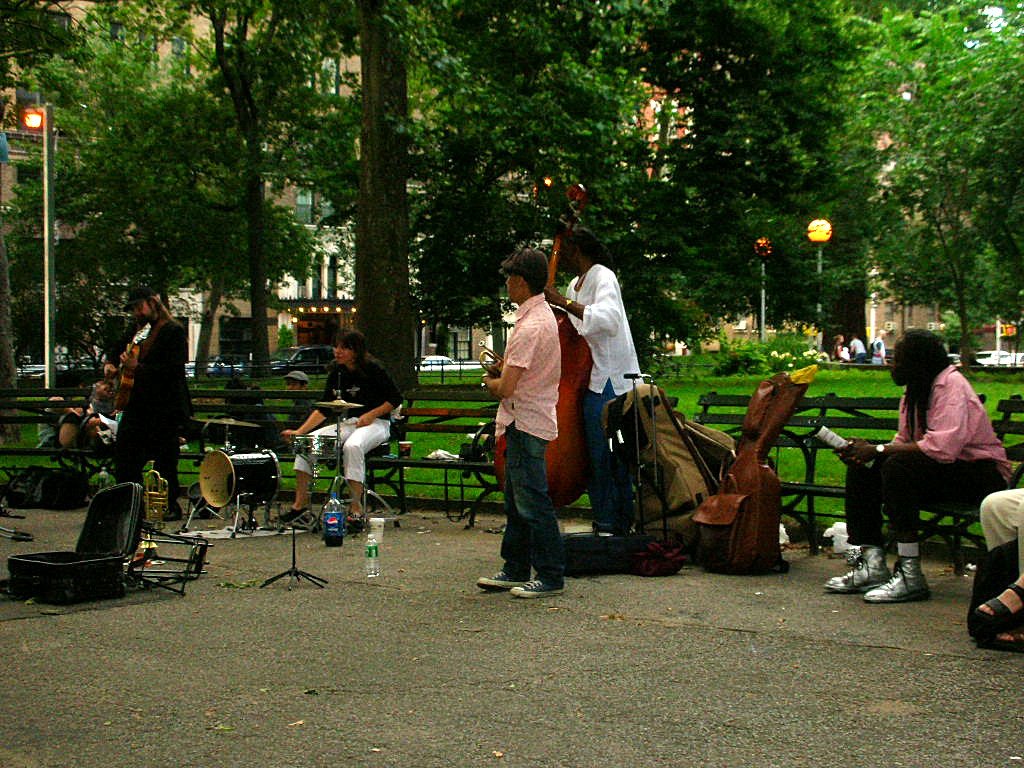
[33, 119]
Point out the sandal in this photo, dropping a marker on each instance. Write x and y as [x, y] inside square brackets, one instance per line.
[1016, 645]
[1001, 618]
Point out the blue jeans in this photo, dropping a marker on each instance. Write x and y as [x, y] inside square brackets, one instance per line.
[609, 485]
[531, 535]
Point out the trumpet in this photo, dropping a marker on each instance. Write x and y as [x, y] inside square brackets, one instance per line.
[490, 360]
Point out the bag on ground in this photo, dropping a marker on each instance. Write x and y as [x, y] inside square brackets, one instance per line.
[47, 488]
[679, 461]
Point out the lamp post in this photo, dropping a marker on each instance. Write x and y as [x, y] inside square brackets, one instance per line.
[39, 119]
[819, 232]
[763, 249]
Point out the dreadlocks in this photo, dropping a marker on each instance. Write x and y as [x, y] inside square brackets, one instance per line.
[918, 358]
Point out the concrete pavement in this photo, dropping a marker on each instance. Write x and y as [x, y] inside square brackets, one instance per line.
[420, 668]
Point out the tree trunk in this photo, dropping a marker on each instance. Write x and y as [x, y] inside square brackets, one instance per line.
[383, 304]
[212, 304]
[257, 270]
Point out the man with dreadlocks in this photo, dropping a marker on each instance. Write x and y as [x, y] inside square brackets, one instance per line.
[945, 449]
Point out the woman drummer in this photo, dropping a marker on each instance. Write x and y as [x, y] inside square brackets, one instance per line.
[355, 377]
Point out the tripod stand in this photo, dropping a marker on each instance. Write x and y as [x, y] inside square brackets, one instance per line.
[656, 472]
[12, 533]
[294, 572]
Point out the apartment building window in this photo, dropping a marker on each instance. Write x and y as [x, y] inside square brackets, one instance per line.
[179, 50]
[304, 206]
[330, 77]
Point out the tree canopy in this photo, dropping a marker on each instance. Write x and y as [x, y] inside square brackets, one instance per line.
[696, 127]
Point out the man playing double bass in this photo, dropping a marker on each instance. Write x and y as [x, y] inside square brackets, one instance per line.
[593, 301]
[158, 405]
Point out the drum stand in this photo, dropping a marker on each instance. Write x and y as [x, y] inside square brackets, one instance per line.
[197, 504]
[294, 573]
[249, 524]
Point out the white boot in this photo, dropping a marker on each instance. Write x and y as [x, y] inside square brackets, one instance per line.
[907, 584]
[869, 571]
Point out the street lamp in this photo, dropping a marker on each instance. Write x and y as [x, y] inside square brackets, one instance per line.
[819, 232]
[763, 249]
[39, 119]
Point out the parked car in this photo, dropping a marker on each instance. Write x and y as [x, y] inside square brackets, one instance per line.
[309, 359]
[226, 365]
[437, 363]
[1002, 357]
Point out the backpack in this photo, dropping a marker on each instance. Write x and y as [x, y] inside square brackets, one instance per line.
[739, 526]
[47, 488]
[679, 461]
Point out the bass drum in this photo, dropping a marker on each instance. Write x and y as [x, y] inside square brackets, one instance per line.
[223, 476]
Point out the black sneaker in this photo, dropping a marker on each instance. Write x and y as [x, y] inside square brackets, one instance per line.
[500, 580]
[535, 588]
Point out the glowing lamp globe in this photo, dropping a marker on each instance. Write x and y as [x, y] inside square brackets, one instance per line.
[819, 231]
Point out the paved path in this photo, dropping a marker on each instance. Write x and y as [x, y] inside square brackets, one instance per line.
[421, 669]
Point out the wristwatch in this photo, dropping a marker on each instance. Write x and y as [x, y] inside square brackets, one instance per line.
[880, 448]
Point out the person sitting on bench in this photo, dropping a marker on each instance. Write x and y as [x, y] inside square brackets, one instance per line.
[945, 450]
[1002, 517]
[358, 378]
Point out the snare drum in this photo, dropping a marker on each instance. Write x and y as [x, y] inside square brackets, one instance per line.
[224, 475]
[314, 447]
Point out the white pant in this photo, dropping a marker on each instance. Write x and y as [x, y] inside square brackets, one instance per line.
[1002, 517]
[356, 442]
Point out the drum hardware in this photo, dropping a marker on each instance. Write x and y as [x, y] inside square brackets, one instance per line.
[227, 422]
[250, 477]
[339, 406]
[197, 505]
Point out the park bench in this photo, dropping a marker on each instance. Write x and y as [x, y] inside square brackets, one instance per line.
[456, 412]
[35, 408]
[799, 457]
[466, 416]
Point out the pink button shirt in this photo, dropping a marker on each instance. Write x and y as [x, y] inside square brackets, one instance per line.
[533, 346]
[958, 426]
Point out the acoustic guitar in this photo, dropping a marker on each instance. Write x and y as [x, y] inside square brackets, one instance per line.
[124, 389]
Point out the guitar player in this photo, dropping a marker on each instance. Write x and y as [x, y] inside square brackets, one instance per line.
[157, 407]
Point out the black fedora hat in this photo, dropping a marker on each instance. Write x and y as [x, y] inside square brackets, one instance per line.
[138, 294]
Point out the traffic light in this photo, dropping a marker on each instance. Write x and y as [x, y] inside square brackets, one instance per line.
[33, 119]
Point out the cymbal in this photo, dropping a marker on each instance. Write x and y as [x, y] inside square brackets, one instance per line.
[227, 421]
[338, 405]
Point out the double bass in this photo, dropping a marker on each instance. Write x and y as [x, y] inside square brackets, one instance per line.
[567, 459]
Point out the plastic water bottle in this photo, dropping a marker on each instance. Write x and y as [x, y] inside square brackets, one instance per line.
[103, 479]
[372, 557]
[334, 522]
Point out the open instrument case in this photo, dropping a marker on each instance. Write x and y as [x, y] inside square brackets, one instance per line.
[96, 569]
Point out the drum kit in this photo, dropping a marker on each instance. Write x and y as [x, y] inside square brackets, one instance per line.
[253, 478]
[227, 476]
